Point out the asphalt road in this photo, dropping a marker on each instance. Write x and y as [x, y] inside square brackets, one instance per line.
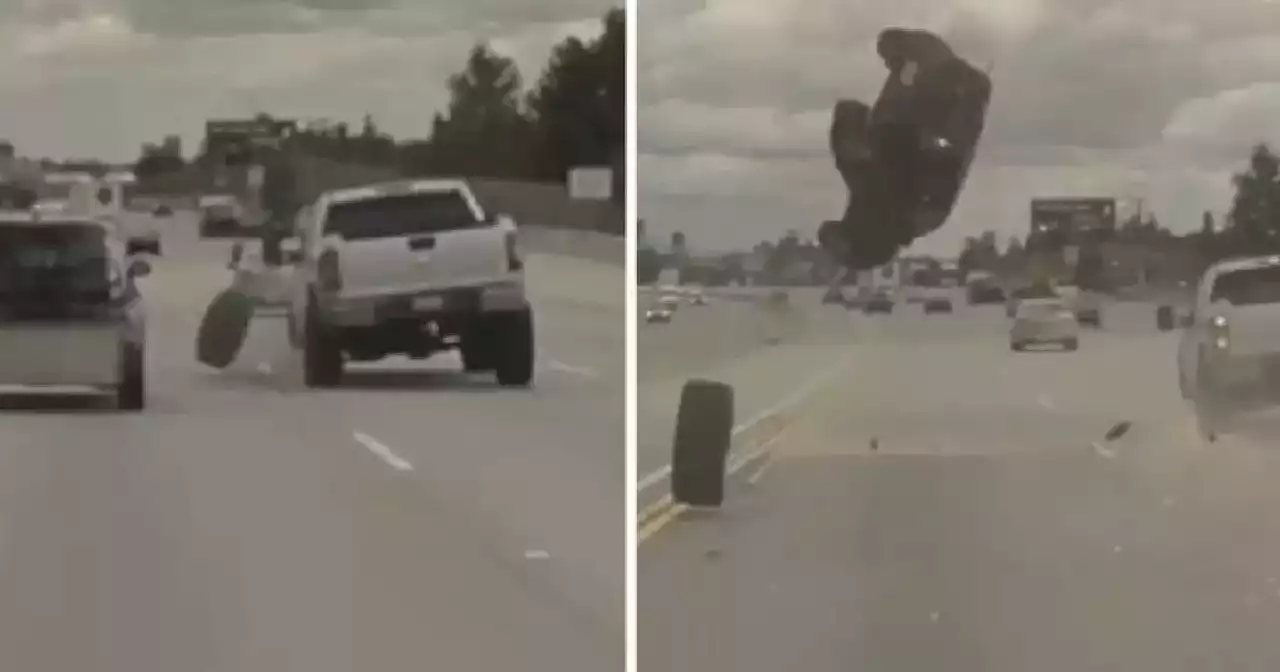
[992, 529]
[416, 519]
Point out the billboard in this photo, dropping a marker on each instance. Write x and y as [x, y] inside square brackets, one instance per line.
[237, 137]
[1070, 218]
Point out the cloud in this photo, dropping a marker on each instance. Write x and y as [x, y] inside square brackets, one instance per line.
[1151, 99]
[99, 77]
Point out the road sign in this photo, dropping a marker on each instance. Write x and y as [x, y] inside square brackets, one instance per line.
[1071, 217]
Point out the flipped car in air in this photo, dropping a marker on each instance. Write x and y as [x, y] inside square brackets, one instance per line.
[905, 159]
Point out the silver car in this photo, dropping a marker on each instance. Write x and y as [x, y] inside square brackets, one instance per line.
[71, 315]
[1044, 322]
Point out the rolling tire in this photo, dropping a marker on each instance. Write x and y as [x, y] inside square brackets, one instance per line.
[704, 430]
[224, 329]
[1164, 318]
[1071, 344]
[132, 393]
[321, 357]
[513, 354]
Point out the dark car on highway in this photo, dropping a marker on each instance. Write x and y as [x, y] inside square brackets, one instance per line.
[880, 302]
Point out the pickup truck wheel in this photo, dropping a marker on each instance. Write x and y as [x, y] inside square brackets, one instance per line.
[321, 356]
[477, 347]
[132, 393]
[514, 354]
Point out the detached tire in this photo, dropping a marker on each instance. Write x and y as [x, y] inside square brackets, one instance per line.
[321, 354]
[224, 329]
[1164, 318]
[704, 430]
[513, 356]
[132, 393]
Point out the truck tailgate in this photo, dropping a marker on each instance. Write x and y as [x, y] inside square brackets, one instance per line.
[1254, 329]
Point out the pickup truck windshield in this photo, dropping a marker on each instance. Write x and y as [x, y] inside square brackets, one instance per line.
[1248, 287]
[400, 215]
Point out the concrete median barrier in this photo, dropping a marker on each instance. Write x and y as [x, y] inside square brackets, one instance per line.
[704, 433]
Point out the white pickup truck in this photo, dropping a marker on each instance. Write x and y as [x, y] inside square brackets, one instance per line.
[409, 268]
[1229, 354]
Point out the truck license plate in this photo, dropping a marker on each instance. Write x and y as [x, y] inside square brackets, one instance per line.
[434, 302]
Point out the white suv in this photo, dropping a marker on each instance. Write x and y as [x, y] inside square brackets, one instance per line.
[1229, 354]
[70, 313]
[412, 267]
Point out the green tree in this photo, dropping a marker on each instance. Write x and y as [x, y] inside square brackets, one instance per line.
[578, 108]
[484, 132]
[1255, 209]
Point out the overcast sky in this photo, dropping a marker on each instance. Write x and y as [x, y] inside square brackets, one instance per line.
[96, 78]
[1159, 99]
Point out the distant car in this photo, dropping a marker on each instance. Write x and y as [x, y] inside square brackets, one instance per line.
[657, 315]
[1044, 322]
[162, 210]
[937, 305]
[833, 295]
[697, 298]
[669, 303]
[880, 302]
[980, 294]
[220, 220]
[1090, 316]
[1039, 291]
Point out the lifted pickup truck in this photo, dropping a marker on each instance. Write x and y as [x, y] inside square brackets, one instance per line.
[414, 268]
[1229, 355]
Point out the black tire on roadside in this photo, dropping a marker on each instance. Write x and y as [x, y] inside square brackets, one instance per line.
[321, 353]
[224, 329]
[704, 430]
[513, 354]
[132, 393]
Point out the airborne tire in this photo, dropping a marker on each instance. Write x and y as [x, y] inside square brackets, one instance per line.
[224, 329]
[513, 356]
[704, 429]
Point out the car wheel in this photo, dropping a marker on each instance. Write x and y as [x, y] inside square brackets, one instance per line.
[132, 393]
[514, 354]
[1017, 347]
[1071, 345]
[322, 358]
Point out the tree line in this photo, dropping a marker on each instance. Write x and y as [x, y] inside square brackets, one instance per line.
[492, 127]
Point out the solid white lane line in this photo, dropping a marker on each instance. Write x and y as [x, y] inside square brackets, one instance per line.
[386, 454]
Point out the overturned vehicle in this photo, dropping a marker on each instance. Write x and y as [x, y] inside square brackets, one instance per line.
[905, 160]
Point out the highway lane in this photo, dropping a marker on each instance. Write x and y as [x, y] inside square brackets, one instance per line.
[769, 356]
[991, 529]
[418, 518]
